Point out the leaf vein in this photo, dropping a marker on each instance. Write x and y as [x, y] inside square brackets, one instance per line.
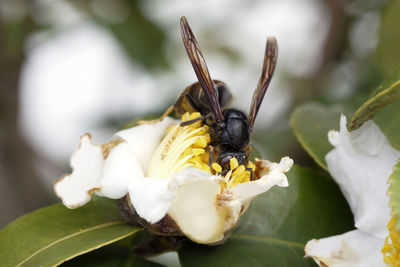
[104, 225]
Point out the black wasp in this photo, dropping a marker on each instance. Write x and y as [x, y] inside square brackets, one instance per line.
[229, 128]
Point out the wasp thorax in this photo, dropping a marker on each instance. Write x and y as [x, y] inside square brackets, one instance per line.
[234, 135]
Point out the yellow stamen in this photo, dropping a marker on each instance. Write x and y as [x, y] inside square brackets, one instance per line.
[187, 147]
[239, 171]
[251, 166]
[391, 248]
[198, 151]
[216, 167]
[191, 116]
[185, 117]
[239, 175]
[181, 149]
[233, 162]
[228, 175]
[203, 141]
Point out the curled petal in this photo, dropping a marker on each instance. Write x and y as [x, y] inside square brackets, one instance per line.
[104, 170]
[192, 198]
[145, 138]
[87, 162]
[271, 174]
[120, 169]
[201, 212]
[361, 163]
[151, 197]
[352, 249]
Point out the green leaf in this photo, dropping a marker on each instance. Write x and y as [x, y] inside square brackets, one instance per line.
[394, 193]
[387, 93]
[52, 235]
[110, 256]
[389, 122]
[388, 54]
[311, 123]
[275, 229]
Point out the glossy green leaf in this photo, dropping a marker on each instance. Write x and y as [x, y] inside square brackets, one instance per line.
[311, 123]
[388, 120]
[110, 256]
[394, 192]
[52, 235]
[387, 93]
[275, 229]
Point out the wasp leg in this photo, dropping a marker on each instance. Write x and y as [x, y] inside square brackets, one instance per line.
[251, 173]
[186, 123]
[166, 113]
[211, 156]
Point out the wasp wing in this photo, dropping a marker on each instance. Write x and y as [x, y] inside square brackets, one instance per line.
[270, 57]
[200, 68]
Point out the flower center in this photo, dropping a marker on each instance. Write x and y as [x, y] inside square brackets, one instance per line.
[237, 174]
[182, 148]
[187, 147]
[391, 248]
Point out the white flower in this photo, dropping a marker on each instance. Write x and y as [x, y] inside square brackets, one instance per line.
[162, 169]
[361, 164]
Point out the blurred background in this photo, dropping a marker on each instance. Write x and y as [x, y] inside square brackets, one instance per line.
[71, 67]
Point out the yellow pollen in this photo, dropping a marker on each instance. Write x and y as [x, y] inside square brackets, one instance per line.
[185, 116]
[216, 167]
[233, 162]
[198, 151]
[203, 141]
[391, 248]
[181, 148]
[239, 173]
[251, 166]
[187, 147]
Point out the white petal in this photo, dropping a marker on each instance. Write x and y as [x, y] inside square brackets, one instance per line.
[361, 164]
[87, 163]
[245, 192]
[144, 139]
[151, 197]
[120, 168]
[192, 175]
[195, 211]
[352, 249]
[200, 210]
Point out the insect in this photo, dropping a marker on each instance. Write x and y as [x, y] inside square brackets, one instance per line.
[230, 128]
[193, 99]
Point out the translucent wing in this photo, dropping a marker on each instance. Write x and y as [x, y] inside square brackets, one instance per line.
[200, 68]
[270, 57]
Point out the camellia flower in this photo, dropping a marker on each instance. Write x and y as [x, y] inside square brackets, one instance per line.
[361, 164]
[160, 174]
